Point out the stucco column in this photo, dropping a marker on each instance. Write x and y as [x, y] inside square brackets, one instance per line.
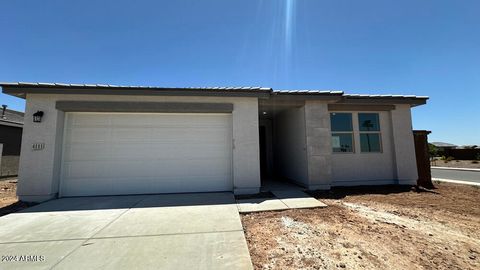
[38, 178]
[318, 141]
[404, 145]
[246, 149]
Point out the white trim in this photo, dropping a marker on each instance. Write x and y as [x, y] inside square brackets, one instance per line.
[60, 177]
[456, 169]
[456, 182]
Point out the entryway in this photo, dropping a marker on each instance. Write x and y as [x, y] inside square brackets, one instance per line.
[282, 144]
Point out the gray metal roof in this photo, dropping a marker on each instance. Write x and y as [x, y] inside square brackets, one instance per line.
[383, 96]
[256, 89]
[308, 92]
[74, 85]
[443, 144]
[11, 117]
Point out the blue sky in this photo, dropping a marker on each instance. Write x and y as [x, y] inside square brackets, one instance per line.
[426, 47]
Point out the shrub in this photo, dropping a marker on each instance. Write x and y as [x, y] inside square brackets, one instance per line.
[432, 150]
[447, 159]
[475, 162]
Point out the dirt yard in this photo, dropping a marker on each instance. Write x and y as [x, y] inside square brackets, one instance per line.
[473, 164]
[8, 199]
[374, 228]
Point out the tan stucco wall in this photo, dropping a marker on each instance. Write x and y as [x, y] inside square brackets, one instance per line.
[395, 164]
[366, 168]
[406, 165]
[40, 169]
[319, 146]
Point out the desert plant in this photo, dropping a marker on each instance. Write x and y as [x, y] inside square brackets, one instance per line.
[432, 150]
[475, 161]
[447, 159]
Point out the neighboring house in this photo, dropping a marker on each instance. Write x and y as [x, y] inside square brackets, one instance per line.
[473, 146]
[464, 152]
[11, 125]
[111, 140]
[442, 146]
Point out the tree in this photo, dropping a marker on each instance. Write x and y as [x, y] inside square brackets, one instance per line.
[432, 150]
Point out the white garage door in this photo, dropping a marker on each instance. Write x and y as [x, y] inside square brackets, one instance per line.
[125, 153]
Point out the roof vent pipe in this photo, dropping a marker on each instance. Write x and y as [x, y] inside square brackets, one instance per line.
[3, 110]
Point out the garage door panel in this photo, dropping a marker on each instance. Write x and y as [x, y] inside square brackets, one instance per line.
[87, 135]
[86, 120]
[78, 152]
[168, 135]
[141, 152]
[83, 187]
[108, 154]
[86, 169]
[144, 152]
[109, 186]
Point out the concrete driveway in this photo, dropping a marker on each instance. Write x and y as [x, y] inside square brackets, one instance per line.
[177, 231]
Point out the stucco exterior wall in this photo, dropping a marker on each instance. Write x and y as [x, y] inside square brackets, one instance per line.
[39, 174]
[290, 145]
[366, 168]
[36, 174]
[404, 146]
[319, 147]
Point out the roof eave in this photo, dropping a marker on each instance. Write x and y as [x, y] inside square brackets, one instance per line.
[21, 91]
[413, 101]
[307, 94]
[10, 123]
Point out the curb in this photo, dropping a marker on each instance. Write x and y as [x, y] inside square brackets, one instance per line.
[456, 169]
[456, 182]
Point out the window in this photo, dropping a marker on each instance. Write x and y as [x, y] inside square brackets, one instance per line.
[370, 137]
[342, 132]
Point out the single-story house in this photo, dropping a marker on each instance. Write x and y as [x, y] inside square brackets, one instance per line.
[442, 146]
[84, 140]
[11, 125]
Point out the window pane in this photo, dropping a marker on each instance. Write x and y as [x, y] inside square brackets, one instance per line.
[341, 121]
[368, 122]
[370, 142]
[342, 142]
